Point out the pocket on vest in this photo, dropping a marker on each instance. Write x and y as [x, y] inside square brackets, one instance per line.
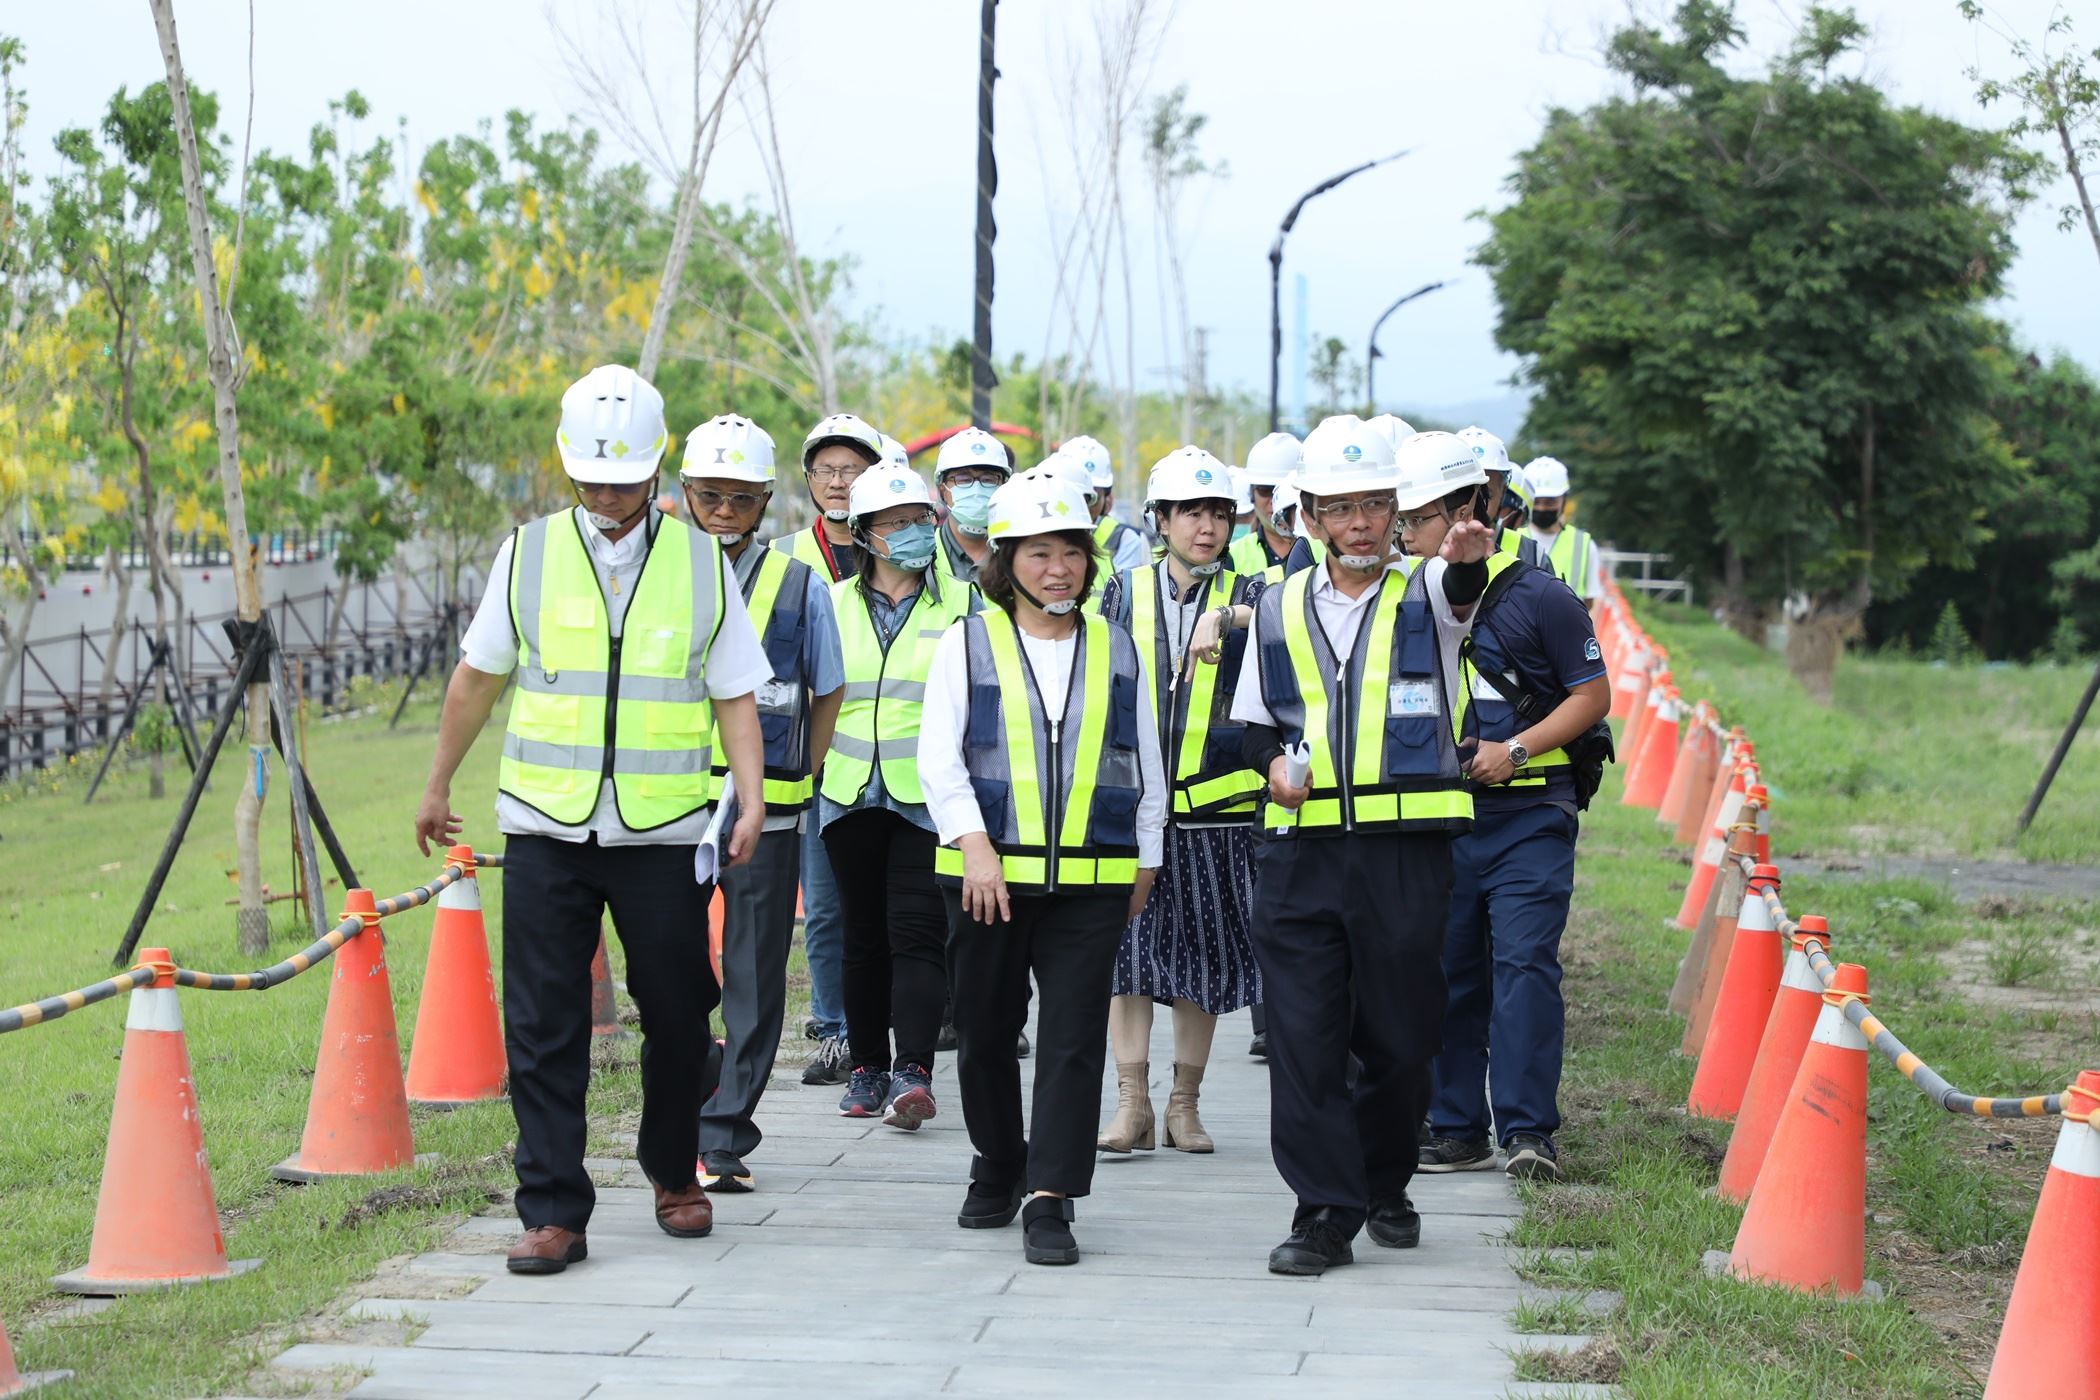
[1411, 747]
[992, 805]
[659, 651]
[548, 719]
[1122, 712]
[1113, 820]
[981, 729]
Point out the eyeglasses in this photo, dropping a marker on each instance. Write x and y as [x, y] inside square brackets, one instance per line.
[973, 476]
[891, 527]
[1335, 512]
[708, 502]
[816, 474]
[1415, 524]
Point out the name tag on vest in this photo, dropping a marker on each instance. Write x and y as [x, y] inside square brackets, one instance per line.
[776, 697]
[1412, 698]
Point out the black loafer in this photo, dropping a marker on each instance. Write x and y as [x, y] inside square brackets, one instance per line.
[1395, 1224]
[1313, 1248]
[988, 1207]
[1048, 1221]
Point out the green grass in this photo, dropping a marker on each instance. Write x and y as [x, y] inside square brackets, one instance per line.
[1949, 1199]
[1909, 757]
[69, 877]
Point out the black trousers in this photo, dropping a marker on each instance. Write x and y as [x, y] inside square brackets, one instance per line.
[1349, 932]
[554, 894]
[1069, 942]
[758, 928]
[895, 974]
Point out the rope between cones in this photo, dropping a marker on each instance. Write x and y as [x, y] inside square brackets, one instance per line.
[48, 1009]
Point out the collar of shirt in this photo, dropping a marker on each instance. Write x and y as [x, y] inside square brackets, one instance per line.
[624, 550]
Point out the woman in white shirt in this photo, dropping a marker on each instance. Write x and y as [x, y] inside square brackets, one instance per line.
[1040, 763]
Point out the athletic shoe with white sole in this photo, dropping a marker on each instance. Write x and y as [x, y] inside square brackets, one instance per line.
[910, 1101]
[1442, 1154]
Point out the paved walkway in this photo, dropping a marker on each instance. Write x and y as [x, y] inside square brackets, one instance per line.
[844, 1275]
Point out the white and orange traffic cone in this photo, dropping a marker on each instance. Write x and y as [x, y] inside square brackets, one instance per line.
[1721, 908]
[2049, 1347]
[1728, 925]
[1703, 807]
[1693, 772]
[457, 1055]
[1806, 1224]
[156, 1224]
[1749, 982]
[357, 1117]
[1650, 778]
[1708, 860]
[15, 1382]
[1779, 1052]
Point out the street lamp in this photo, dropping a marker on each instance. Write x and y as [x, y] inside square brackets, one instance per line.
[1276, 272]
[1371, 359]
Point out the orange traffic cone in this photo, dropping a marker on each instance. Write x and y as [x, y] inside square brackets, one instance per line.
[1757, 799]
[357, 1118]
[1708, 861]
[1643, 716]
[457, 1055]
[1779, 1053]
[156, 1225]
[2050, 1345]
[1726, 899]
[1693, 775]
[605, 1010]
[1714, 970]
[1741, 1007]
[1699, 812]
[12, 1381]
[1806, 1225]
[1650, 777]
[1629, 684]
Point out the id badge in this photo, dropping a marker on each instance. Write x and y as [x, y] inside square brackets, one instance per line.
[1410, 698]
[776, 697]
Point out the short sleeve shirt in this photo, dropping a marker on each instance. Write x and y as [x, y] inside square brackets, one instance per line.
[1539, 632]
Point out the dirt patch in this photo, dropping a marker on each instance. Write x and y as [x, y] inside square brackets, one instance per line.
[1963, 878]
[1597, 1362]
[2034, 964]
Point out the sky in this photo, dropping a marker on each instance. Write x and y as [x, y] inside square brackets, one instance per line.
[877, 128]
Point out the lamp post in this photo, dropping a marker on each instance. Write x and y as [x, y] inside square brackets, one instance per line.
[1371, 357]
[1276, 272]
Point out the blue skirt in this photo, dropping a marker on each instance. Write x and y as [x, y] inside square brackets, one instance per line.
[1191, 942]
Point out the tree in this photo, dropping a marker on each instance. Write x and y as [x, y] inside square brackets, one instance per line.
[2057, 98]
[1750, 306]
[1338, 376]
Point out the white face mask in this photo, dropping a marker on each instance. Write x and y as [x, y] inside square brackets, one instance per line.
[1363, 563]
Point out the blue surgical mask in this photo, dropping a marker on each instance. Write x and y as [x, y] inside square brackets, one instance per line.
[911, 548]
[970, 506]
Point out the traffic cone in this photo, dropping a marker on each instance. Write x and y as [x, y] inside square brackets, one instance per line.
[1758, 799]
[1642, 718]
[1728, 924]
[2050, 1343]
[12, 1381]
[1650, 777]
[1779, 1053]
[357, 1118]
[1806, 1224]
[1693, 774]
[1708, 861]
[1704, 958]
[1700, 811]
[457, 1054]
[156, 1225]
[1741, 1006]
[605, 1011]
[1629, 683]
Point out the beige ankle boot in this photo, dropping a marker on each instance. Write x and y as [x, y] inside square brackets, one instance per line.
[1184, 1129]
[1132, 1125]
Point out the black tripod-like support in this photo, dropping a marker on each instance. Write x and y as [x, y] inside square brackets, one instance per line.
[440, 636]
[178, 691]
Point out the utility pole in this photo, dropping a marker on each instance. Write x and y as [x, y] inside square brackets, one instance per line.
[1371, 356]
[1276, 272]
[982, 376]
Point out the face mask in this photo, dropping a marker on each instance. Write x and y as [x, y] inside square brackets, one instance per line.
[609, 524]
[911, 548]
[1200, 570]
[1056, 609]
[1545, 519]
[1362, 563]
[970, 506]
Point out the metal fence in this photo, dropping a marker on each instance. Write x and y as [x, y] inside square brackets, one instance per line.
[1648, 579]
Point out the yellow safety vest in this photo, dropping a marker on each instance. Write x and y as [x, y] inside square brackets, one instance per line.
[776, 596]
[1275, 573]
[885, 689]
[591, 706]
[1570, 558]
[1107, 532]
[1249, 554]
[804, 547]
[1198, 738]
[1076, 775]
[1384, 742]
[1539, 768]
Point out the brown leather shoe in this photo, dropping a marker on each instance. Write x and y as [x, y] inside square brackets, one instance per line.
[547, 1250]
[686, 1212]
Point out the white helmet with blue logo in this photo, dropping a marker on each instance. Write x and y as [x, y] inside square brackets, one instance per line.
[1487, 448]
[1089, 453]
[882, 486]
[1188, 473]
[972, 447]
[1345, 454]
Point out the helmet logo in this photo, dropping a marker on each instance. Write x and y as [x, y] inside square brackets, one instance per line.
[601, 448]
[897, 484]
[1203, 476]
[977, 447]
[721, 455]
[1044, 507]
[1352, 453]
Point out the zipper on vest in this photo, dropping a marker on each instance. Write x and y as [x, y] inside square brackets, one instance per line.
[1053, 810]
[1345, 757]
[612, 709]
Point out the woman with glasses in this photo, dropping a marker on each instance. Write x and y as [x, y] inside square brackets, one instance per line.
[876, 830]
[1190, 948]
[972, 465]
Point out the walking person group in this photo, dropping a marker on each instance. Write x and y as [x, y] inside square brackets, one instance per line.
[1011, 749]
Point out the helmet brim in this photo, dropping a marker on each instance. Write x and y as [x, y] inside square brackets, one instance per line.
[603, 471]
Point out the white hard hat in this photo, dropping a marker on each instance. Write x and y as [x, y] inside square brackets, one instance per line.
[1345, 454]
[1547, 476]
[1072, 469]
[882, 486]
[1039, 501]
[1090, 454]
[1396, 429]
[972, 447]
[612, 428]
[893, 452]
[1188, 473]
[1432, 466]
[732, 447]
[1242, 491]
[1488, 448]
[1272, 459]
[842, 427]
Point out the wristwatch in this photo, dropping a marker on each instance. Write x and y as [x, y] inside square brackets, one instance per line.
[1518, 754]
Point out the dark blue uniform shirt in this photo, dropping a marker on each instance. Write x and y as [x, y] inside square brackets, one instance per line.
[1539, 631]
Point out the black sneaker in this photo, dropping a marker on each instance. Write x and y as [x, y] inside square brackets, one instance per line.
[866, 1091]
[1048, 1222]
[946, 1039]
[1395, 1224]
[989, 1207]
[831, 1063]
[910, 1099]
[1259, 1046]
[1022, 1048]
[724, 1173]
[1443, 1154]
[1531, 1158]
[1313, 1248]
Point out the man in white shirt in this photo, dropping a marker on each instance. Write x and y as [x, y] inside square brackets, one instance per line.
[630, 644]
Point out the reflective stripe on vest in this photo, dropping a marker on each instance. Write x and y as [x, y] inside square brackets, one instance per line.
[1570, 558]
[591, 707]
[1537, 771]
[776, 596]
[1278, 572]
[1076, 775]
[885, 687]
[803, 547]
[1195, 721]
[1382, 714]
